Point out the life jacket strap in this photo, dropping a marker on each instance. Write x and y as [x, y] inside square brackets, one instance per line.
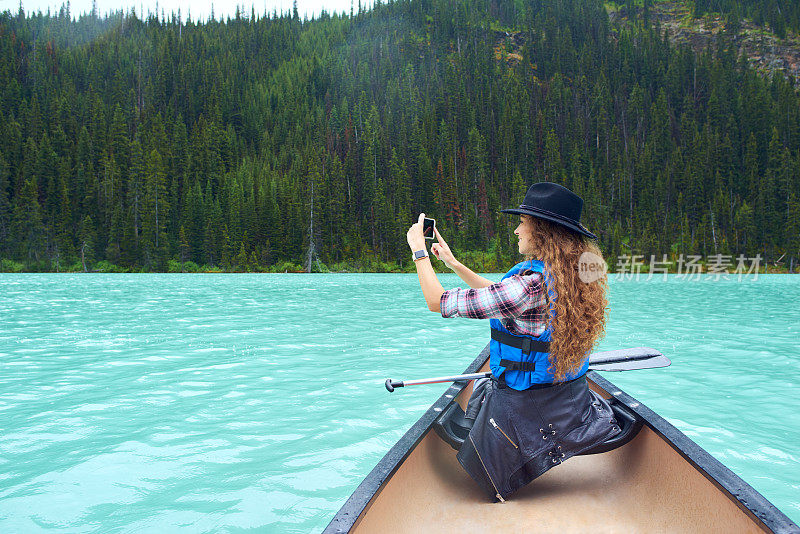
[525, 343]
[511, 365]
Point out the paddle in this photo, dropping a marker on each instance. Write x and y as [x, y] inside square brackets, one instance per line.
[610, 360]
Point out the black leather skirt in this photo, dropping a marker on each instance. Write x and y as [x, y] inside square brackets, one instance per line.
[518, 435]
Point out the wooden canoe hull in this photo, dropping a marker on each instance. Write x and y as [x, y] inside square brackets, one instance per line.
[661, 481]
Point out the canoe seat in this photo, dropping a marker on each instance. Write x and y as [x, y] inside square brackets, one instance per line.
[454, 428]
[629, 422]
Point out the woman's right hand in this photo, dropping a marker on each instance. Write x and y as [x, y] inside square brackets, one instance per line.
[442, 251]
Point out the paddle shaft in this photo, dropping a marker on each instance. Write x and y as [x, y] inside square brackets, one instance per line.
[391, 384]
[637, 354]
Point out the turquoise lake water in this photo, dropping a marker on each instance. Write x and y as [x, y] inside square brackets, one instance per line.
[227, 403]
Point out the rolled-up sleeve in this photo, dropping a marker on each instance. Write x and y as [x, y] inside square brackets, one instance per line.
[508, 298]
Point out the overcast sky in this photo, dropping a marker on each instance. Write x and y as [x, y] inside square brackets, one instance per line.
[199, 9]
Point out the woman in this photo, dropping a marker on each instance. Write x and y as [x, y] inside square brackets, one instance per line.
[546, 314]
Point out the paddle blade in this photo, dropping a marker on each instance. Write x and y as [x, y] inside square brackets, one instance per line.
[629, 364]
[623, 355]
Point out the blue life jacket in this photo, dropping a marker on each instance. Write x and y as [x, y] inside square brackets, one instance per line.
[531, 364]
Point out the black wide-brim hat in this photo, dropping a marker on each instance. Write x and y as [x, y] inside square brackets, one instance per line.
[554, 203]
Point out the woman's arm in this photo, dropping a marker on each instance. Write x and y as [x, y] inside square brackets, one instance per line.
[431, 288]
[510, 297]
[472, 280]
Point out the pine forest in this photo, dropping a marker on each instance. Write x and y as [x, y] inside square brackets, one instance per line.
[263, 141]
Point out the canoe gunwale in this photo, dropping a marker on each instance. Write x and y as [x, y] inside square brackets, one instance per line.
[744, 495]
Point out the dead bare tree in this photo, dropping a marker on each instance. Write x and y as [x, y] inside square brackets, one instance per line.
[312, 250]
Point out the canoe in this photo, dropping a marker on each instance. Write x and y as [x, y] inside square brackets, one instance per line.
[658, 481]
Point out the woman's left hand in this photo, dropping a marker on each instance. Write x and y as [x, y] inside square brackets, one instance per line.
[415, 237]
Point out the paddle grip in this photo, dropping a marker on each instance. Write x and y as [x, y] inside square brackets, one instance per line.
[391, 384]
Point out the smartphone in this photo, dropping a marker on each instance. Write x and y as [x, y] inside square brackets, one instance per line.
[427, 228]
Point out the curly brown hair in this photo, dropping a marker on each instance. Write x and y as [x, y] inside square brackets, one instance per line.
[580, 306]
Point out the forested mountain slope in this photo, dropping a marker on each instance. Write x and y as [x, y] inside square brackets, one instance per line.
[143, 141]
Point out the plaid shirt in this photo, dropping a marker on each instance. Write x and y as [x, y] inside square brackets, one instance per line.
[519, 301]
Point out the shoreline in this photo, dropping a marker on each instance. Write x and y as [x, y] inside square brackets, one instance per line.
[643, 272]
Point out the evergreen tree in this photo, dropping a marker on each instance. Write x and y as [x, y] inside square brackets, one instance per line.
[136, 190]
[155, 209]
[184, 248]
[793, 231]
[5, 208]
[27, 228]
